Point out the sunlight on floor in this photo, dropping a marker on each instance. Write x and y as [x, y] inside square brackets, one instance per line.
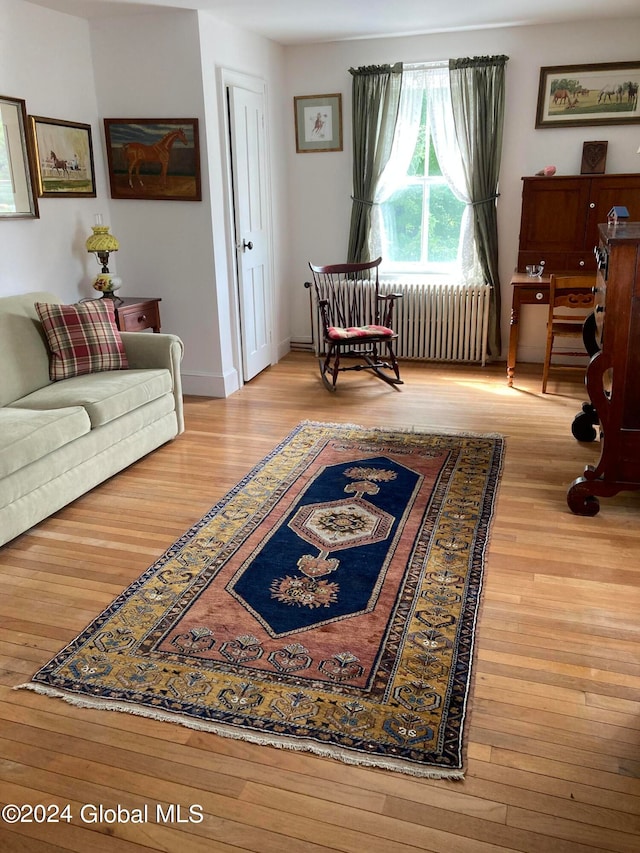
[488, 386]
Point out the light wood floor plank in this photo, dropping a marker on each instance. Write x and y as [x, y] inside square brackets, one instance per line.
[584, 790]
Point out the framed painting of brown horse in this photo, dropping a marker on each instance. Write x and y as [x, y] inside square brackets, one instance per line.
[152, 158]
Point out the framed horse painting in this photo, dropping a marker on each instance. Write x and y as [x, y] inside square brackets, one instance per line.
[582, 95]
[154, 158]
[318, 122]
[63, 154]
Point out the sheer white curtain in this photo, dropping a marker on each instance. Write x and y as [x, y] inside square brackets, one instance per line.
[441, 125]
[404, 144]
[434, 80]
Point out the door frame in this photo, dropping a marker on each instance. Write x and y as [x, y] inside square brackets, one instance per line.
[227, 78]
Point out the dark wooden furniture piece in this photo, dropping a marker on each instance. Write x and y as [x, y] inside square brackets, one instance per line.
[356, 321]
[571, 300]
[560, 216]
[559, 225]
[613, 375]
[134, 314]
[529, 290]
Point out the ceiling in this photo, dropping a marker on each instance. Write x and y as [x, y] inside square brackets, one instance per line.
[305, 21]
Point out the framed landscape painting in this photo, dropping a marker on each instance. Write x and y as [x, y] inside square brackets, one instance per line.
[63, 154]
[153, 158]
[581, 95]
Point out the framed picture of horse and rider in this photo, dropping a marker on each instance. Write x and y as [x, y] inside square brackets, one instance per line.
[581, 95]
[63, 155]
[153, 158]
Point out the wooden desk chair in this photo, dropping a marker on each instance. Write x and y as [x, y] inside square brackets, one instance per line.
[571, 300]
[356, 321]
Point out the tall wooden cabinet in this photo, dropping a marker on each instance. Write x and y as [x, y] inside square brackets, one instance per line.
[613, 375]
[560, 217]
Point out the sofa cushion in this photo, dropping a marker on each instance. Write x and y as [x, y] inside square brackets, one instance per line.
[82, 338]
[92, 454]
[28, 435]
[105, 396]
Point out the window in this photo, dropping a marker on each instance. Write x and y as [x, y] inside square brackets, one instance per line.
[420, 219]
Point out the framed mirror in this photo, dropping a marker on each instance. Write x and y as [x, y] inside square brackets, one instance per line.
[17, 196]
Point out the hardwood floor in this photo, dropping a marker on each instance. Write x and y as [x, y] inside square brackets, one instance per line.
[554, 729]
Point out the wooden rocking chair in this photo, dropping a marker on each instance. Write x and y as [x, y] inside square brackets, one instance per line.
[355, 321]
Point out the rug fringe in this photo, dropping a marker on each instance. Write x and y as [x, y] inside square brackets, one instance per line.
[235, 734]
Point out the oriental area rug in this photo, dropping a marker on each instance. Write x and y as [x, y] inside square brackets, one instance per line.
[328, 603]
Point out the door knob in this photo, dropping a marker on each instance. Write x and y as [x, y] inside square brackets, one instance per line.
[246, 245]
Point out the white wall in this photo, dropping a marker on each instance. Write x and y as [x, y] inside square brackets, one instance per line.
[45, 59]
[149, 66]
[168, 66]
[321, 183]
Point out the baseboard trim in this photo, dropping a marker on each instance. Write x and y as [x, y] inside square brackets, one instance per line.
[210, 384]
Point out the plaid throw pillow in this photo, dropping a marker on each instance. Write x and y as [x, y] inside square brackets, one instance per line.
[82, 338]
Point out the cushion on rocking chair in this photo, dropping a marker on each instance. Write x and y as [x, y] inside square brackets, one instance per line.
[337, 333]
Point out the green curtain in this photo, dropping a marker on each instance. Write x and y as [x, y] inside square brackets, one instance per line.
[477, 97]
[376, 98]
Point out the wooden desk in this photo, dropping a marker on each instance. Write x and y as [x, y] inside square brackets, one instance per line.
[527, 290]
[133, 314]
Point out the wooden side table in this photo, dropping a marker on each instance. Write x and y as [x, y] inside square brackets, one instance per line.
[527, 290]
[133, 314]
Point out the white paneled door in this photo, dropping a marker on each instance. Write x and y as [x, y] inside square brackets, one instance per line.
[248, 163]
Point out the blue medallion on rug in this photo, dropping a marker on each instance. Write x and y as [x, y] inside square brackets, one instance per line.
[327, 557]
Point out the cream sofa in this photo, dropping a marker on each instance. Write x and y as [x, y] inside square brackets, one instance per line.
[60, 439]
